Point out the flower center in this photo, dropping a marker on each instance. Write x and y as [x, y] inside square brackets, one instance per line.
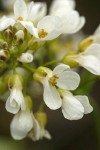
[43, 33]
[53, 79]
[20, 18]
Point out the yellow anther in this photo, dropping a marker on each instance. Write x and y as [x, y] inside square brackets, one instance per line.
[20, 18]
[53, 79]
[43, 33]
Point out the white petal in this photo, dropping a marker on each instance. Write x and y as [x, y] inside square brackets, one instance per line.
[68, 80]
[29, 7]
[35, 133]
[61, 4]
[52, 25]
[51, 96]
[85, 102]
[2, 18]
[15, 102]
[97, 30]
[37, 12]
[89, 62]
[36, 129]
[47, 135]
[94, 50]
[20, 9]
[21, 100]
[72, 109]
[21, 124]
[72, 22]
[11, 105]
[30, 28]
[80, 24]
[60, 68]
[5, 23]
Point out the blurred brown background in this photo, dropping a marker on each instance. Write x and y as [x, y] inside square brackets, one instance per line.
[66, 135]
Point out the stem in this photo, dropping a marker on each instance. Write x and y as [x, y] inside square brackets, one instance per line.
[29, 68]
[41, 107]
[28, 76]
[52, 62]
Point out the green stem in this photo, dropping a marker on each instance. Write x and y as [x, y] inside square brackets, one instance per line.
[28, 76]
[52, 62]
[41, 107]
[29, 68]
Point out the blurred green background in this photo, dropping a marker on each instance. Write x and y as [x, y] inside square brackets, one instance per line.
[83, 134]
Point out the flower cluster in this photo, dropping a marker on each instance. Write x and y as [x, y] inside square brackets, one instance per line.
[30, 41]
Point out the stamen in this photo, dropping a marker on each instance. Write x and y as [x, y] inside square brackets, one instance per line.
[20, 18]
[53, 79]
[43, 33]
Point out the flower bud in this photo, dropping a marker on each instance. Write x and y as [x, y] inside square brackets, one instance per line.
[12, 49]
[8, 34]
[5, 46]
[15, 81]
[4, 54]
[69, 60]
[19, 36]
[28, 102]
[41, 117]
[41, 73]
[85, 43]
[26, 58]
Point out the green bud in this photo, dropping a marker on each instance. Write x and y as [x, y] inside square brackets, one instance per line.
[8, 34]
[28, 102]
[4, 55]
[19, 36]
[15, 81]
[12, 49]
[69, 60]
[5, 45]
[85, 43]
[41, 117]
[41, 73]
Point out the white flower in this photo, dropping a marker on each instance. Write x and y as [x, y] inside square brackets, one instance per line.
[15, 101]
[21, 124]
[74, 107]
[90, 59]
[71, 20]
[22, 12]
[61, 5]
[63, 78]
[26, 58]
[37, 11]
[48, 28]
[38, 132]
